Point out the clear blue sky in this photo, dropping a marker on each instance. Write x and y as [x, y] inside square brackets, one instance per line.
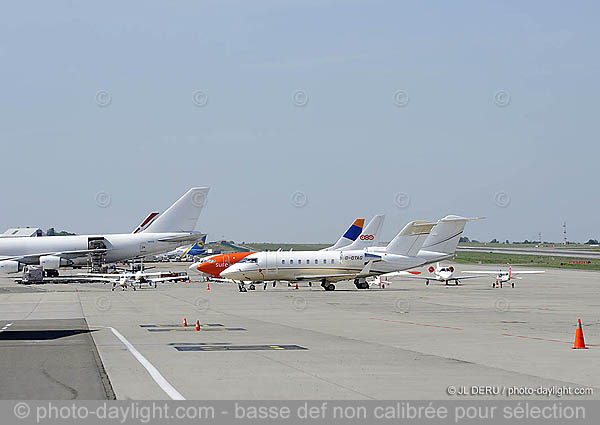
[502, 109]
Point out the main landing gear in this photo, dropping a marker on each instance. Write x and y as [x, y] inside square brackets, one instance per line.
[361, 283]
[327, 286]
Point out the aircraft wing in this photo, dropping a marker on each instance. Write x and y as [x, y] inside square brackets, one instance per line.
[167, 279]
[63, 254]
[366, 271]
[325, 276]
[528, 272]
[468, 277]
[484, 271]
[107, 276]
[190, 237]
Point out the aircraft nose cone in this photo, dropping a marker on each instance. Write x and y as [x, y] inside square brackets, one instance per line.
[195, 266]
[230, 273]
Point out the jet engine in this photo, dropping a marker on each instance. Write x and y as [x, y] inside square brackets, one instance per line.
[53, 262]
[9, 266]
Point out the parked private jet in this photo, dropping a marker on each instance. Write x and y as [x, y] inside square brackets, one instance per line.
[215, 264]
[444, 274]
[414, 246]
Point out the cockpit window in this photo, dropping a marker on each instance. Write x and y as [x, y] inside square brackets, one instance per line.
[250, 260]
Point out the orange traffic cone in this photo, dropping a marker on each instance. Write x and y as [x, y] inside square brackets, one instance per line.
[579, 341]
[197, 325]
[184, 322]
[208, 286]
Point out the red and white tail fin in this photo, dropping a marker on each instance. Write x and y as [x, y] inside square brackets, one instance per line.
[146, 222]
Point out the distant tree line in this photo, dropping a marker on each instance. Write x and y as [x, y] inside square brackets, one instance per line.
[465, 239]
[52, 232]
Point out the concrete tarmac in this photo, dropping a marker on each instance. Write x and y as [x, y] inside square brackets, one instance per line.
[408, 341]
[50, 359]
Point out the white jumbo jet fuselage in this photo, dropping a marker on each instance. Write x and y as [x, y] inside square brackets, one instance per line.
[173, 228]
[119, 247]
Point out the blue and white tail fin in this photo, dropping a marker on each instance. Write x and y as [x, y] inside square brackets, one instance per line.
[183, 215]
[198, 248]
[370, 235]
[410, 239]
[146, 222]
[349, 236]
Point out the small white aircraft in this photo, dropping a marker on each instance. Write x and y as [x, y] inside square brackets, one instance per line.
[443, 274]
[506, 276]
[125, 280]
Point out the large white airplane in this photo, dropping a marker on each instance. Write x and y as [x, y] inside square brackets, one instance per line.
[506, 276]
[414, 246]
[173, 228]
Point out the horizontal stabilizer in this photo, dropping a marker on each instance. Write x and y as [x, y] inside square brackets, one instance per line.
[410, 239]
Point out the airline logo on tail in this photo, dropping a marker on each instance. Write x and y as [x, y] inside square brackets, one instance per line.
[355, 230]
[197, 248]
[146, 222]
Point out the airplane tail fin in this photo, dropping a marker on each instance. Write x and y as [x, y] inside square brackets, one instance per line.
[349, 236]
[445, 234]
[370, 235]
[410, 239]
[197, 248]
[146, 222]
[183, 215]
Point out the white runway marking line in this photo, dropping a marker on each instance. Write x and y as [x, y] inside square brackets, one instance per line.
[158, 378]
[8, 325]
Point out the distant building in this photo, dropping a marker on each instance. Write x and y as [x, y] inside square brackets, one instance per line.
[22, 232]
